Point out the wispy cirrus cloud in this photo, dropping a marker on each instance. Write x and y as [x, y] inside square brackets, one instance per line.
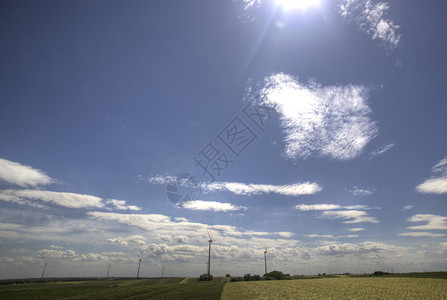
[350, 216]
[70, 200]
[307, 207]
[329, 236]
[331, 121]
[211, 206]
[371, 18]
[240, 188]
[437, 184]
[21, 175]
[422, 234]
[380, 150]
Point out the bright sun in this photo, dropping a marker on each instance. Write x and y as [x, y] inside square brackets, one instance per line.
[296, 4]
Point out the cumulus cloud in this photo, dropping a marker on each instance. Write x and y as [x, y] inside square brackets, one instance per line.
[55, 254]
[359, 249]
[165, 225]
[121, 205]
[434, 222]
[351, 216]
[137, 240]
[371, 18]
[437, 184]
[330, 121]
[70, 200]
[21, 175]
[239, 188]
[211, 206]
[182, 239]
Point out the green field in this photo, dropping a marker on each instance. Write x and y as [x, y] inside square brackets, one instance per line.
[393, 286]
[169, 288]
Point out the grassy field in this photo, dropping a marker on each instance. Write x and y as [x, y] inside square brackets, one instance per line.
[169, 288]
[393, 286]
[339, 288]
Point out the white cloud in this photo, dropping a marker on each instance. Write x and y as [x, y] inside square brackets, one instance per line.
[422, 234]
[136, 240]
[305, 188]
[322, 206]
[360, 192]
[433, 186]
[438, 183]
[55, 254]
[321, 121]
[356, 229]
[317, 207]
[211, 206]
[70, 200]
[434, 222]
[121, 205]
[359, 249]
[407, 207]
[182, 239]
[381, 150]
[357, 216]
[21, 175]
[440, 167]
[328, 236]
[239, 188]
[371, 18]
[164, 225]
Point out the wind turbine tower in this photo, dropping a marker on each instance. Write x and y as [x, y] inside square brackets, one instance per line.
[44, 268]
[139, 262]
[265, 261]
[209, 252]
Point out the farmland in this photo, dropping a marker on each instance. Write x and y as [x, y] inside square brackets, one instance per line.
[392, 286]
[339, 288]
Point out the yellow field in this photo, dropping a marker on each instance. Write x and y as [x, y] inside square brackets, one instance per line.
[339, 288]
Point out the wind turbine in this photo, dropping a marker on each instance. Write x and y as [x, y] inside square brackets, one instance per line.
[108, 271]
[209, 252]
[265, 261]
[139, 263]
[44, 268]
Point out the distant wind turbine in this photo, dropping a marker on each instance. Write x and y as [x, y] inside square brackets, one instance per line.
[209, 252]
[44, 268]
[139, 263]
[265, 261]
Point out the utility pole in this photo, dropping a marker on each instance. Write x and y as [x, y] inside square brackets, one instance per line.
[108, 272]
[163, 272]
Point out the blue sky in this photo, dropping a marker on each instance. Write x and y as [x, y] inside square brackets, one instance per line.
[312, 129]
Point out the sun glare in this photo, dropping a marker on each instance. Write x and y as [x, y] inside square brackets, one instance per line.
[296, 4]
